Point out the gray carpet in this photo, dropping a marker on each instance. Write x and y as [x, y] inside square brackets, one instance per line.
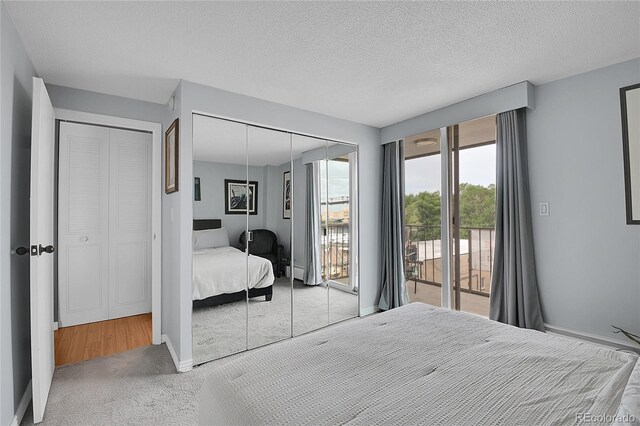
[220, 330]
[138, 387]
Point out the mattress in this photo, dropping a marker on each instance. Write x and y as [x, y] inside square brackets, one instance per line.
[224, 270]
[419, 364]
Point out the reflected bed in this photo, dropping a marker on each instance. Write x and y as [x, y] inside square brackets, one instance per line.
[220, 273]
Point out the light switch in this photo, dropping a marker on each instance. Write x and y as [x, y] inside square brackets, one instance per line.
[544, 209]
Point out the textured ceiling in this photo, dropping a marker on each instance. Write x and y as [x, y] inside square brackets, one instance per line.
[374, 63]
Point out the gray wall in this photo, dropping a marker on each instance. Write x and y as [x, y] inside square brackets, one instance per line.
[195, 97]
[588, 259]
[511, 97]
[16, 72]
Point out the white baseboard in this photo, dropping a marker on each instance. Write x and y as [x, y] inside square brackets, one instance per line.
[22, 407]
[181, 366]
[55, 325]
[369, 310]
[591, 338]
[298, 272]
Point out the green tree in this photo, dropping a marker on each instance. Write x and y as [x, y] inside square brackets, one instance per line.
[477, 210]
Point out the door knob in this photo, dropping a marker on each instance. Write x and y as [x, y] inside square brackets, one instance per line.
[48, 249]
[21, 251]
[84, 239]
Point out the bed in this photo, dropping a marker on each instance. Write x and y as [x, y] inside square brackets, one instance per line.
[420, 364]
[216, 279]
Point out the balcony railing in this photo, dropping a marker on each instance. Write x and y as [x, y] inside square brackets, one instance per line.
[335, 250]
[423, 257]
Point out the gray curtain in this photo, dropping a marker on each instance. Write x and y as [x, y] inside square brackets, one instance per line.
[514, 285]
[393, 292]
[313, 250]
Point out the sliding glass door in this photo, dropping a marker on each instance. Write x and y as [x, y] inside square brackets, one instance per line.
[467, 190]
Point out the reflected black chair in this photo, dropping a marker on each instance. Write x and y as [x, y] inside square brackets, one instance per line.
[265, 244]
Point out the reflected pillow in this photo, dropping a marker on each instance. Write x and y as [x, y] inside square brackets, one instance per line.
[210, 238]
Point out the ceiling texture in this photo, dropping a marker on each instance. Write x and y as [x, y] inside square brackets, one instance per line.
[375, 63]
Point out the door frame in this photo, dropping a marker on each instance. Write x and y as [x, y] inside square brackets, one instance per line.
[156, 196]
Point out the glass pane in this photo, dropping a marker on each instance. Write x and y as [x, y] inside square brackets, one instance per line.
[310, 295]
[341, 239]
[476, 195]
[423, 266]
[269, 246]
[219, 316]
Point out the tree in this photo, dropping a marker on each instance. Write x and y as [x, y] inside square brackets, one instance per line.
[477, 210]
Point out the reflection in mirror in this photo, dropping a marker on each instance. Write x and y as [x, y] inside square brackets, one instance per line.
[219, 316]
[269, 246]
[340, 241]
[310, 297]
[630, 104]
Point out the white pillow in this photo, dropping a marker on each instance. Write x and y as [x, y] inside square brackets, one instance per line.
[210, 238]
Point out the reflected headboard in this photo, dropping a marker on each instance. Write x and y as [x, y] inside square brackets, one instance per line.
[200, 224]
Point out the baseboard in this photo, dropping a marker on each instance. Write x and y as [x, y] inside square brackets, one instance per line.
[298, 272]
[591, 338]
[22, 407]
[181, 366]
[55, 325]
[369, 310]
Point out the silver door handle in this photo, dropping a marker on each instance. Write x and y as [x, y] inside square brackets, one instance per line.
[84, 239]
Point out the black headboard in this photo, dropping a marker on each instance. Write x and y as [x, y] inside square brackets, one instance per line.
[200, 224]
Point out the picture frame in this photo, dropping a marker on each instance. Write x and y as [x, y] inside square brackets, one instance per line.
[171, 158]
[286, 195]
[197, 193]
[630, 112]
[240, 197]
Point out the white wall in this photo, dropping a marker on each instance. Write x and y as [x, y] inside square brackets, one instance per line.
[231, 105]
[587, 258]
[16, 73]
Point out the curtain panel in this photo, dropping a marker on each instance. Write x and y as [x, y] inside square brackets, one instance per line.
[393, 290]
[514, 285]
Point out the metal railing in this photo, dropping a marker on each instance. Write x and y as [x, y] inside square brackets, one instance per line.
[335, 250]
[422, 257]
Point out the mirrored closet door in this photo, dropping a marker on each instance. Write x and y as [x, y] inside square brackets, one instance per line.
[269, 230]
[310, 291]
[341, 231]
[275, 235]
[220, 281]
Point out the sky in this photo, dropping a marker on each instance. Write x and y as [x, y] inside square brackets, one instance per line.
[338, 179]
[477, 166]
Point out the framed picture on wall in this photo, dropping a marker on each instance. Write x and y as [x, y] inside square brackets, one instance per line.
[240, 197]
[630, 108]
[197, 195]
[171, 158]
[286, 195]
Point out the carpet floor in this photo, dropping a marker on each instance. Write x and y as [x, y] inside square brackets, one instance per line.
[138, 387]
[221, 330]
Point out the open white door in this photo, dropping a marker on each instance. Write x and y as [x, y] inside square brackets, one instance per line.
[41, 237]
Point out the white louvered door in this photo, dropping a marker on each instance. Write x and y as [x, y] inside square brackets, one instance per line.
[104, 230]
[129, 223]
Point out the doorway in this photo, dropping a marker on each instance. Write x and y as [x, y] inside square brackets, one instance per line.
[450, 265]
[121, 309]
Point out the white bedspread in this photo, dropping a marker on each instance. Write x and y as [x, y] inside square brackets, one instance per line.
[224, 270]
[418, 365]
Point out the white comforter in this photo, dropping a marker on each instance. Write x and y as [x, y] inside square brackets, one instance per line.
[419, 365]
[224, 270]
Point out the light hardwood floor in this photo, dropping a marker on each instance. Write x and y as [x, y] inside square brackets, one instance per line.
[87, 341]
